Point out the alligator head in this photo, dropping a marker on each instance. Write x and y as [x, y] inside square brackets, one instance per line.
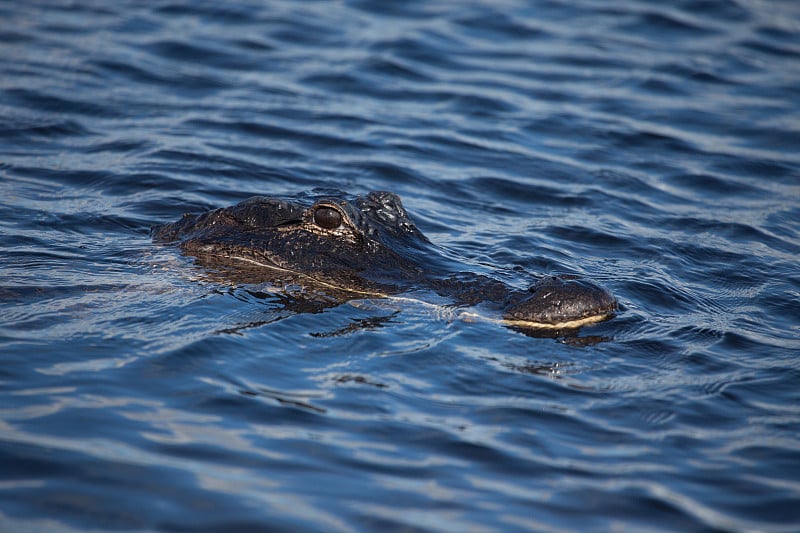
[360, 244]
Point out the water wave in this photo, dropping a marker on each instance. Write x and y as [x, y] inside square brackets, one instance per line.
[649, 147]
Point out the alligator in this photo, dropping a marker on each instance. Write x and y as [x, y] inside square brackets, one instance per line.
[346, 247]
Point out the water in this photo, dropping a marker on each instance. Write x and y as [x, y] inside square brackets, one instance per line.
[654, 148]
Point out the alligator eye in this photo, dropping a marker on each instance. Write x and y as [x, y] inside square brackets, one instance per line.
[327, 217]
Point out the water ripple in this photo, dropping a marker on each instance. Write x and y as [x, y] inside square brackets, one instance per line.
[649, 147]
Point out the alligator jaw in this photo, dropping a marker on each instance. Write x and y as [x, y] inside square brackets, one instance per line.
[314, 281]
[564, 325]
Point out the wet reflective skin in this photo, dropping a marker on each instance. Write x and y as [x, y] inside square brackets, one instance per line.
[339, 247]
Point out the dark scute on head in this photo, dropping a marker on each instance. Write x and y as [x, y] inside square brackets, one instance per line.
[387, 213]
[188, 224]
[263, 212]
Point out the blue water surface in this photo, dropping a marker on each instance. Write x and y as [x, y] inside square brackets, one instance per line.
[653, 147]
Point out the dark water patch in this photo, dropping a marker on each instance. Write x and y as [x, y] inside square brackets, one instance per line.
[775, 49]
[781, 223]
[77, 10]
[85, 498]
[521, 192]
[715, 186]
[387, 172]
[496, 25]
[394, 69]
[218, 168]
[13, 37]
[43, 292]
[728, 10]
[738, 342]
[417, 50]
[253, 151]
[181, 52]
[758, 167]
[776, 139]
[662, 86]
[733, 231]
[83, 223]
[20, 133]
[778, 34]
[700, 260]
[783, 306]
[695, 74]
[275, 405]
[254, 45]
[306, 32]
[365, 86]
[658, 295]
[414, 9]
[632, 191]
[265, 130]
[595, 59]
[340, 119]
[555, 125]
[163, 76]
[136, 24]
[669, 26]
[84, 178]
[124, 146]
[469, 150]
[38, 100]
[591, 237]
[706, 128]
[233, 15]
[480, 105]
[636, 139]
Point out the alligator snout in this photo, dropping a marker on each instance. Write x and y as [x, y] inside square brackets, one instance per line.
[561, 302]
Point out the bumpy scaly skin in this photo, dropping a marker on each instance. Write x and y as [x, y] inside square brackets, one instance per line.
[348, 246]
[558, 302]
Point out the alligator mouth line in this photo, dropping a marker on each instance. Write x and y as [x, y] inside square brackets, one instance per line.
[568, 324]
[533, 324]
[273, 266]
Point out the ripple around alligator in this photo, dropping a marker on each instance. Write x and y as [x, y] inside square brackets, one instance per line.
[649, 147]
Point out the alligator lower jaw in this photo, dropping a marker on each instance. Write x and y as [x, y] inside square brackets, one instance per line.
[312, 280]
[566, 324]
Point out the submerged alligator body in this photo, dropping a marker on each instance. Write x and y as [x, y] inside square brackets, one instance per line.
[347, 247]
